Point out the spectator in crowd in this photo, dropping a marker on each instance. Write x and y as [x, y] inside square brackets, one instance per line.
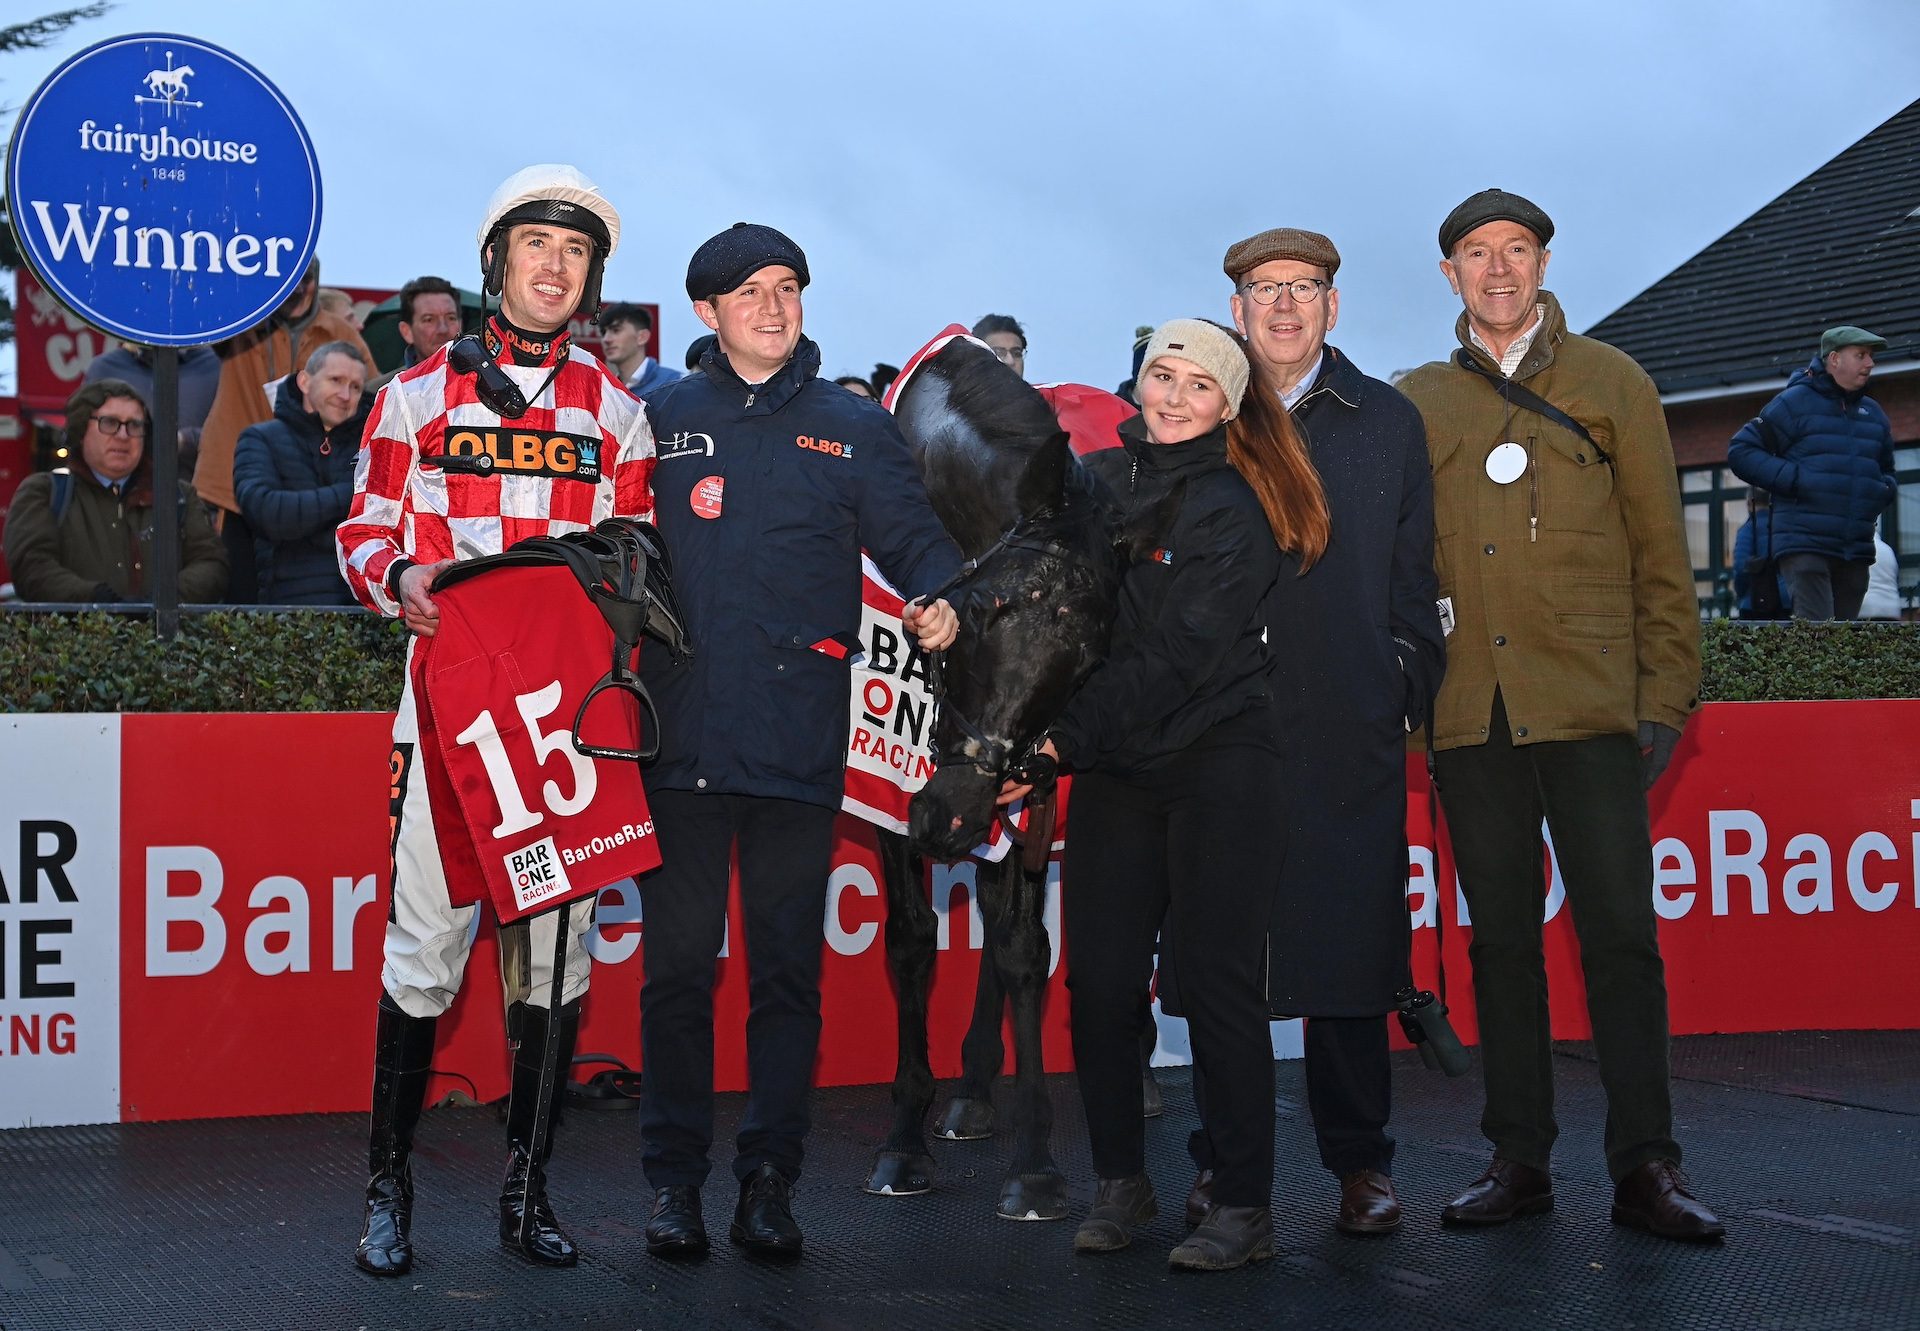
[1355, 653]
[85, 533]
[257, 358]
[859, 387]
[1141, 335]
[753, 727]
[697, 349]
[1007, 338]
[430, 317]
[1825, 450]
[1882, 600]
[293, 476]
[624, 330]
[1573, 663]
[1753, 553]
[199, 380]
[337, 302]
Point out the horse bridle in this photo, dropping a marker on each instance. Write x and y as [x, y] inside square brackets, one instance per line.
[994, 758]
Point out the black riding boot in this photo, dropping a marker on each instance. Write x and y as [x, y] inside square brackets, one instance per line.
[402, 1059]
[540, 1063]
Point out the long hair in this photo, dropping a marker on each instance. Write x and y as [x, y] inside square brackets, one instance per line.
[1264, 447]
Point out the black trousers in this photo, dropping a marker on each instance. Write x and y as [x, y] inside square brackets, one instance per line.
[785, 850]
[1193, 841]
[1591, 793]
[1349, 1093]
[1825, 588]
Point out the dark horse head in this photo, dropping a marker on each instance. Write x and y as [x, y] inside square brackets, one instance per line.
[1038, 602]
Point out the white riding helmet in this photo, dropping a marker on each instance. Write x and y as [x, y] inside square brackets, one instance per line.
[550, 192]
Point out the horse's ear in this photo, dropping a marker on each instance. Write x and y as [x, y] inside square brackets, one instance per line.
[1043, 480]
[1145, 531]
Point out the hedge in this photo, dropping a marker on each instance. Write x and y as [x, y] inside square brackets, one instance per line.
[288, 661]
[222, 661]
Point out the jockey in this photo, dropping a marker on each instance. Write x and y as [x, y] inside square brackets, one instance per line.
[442, 476]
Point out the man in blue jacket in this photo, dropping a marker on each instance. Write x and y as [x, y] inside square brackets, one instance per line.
[293, 477]
[767, 485]
[1825, 450]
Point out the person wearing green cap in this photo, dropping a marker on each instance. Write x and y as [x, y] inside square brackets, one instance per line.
[1825, 450]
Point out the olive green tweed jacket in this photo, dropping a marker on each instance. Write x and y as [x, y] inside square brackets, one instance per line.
[1571, 588]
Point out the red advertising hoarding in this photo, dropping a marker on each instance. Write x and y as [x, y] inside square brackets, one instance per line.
[194, 910]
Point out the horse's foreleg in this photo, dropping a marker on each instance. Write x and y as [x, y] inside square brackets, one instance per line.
[904, 1165]
[969, 1115]
[1034, 1188]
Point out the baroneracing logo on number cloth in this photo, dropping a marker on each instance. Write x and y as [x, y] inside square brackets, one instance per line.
[530, 822]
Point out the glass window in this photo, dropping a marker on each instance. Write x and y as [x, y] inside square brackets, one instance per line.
[1713, 504]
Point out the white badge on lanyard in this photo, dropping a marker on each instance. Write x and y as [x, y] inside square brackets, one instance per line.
[1506, 463]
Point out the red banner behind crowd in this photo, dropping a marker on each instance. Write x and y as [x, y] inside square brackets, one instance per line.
[191, 910]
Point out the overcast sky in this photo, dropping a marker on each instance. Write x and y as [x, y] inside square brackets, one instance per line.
[1081, 165]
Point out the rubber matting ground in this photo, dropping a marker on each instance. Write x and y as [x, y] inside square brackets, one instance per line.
[1805, 1143]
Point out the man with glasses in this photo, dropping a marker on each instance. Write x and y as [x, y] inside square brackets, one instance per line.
[1008, 339]
[84, 533]
[1355, 651]
[1573, 664]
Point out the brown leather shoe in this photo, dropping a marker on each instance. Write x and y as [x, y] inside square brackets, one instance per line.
[1119, 1204]
[1656, 1197]
[1200, 1199]
[1367, 1204]
[1505, 1191]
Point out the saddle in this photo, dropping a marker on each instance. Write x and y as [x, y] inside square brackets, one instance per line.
[623, 566]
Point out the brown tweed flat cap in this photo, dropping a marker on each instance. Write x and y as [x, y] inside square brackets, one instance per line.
[1493, 205]
[1281, 243]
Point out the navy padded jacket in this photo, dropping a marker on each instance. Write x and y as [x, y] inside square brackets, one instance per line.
[1827, 458]
[293, 479]
[766, 495]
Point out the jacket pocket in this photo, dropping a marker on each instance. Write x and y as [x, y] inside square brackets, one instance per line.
[802, 648]
[1600, 608]
[1576, 487]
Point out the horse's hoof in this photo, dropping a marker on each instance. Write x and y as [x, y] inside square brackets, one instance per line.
[900, 1174]
[1033, 1197]
[966, 1120]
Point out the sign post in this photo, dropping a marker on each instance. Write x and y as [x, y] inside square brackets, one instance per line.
[163, 190]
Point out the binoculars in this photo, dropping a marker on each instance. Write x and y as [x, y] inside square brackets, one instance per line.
[1423, 1020]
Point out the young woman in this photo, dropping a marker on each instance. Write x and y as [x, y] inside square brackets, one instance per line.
[1174, 753]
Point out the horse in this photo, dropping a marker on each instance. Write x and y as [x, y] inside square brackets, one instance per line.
[169, 83]
[1036, 601]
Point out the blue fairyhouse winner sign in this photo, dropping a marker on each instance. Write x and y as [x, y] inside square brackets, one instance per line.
[164, 190]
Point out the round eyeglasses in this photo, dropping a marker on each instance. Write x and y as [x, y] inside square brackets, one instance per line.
[1304, 290]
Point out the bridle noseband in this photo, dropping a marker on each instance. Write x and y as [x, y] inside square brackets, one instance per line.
[994, 758]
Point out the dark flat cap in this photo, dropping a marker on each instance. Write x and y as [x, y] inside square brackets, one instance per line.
[1281, 243]
[1493, 205]
[730, 258]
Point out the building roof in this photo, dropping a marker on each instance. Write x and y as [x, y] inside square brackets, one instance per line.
[1848, 235]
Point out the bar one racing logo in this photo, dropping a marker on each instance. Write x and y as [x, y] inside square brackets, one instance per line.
[32, 941]
[536, 873]
[600, 845]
